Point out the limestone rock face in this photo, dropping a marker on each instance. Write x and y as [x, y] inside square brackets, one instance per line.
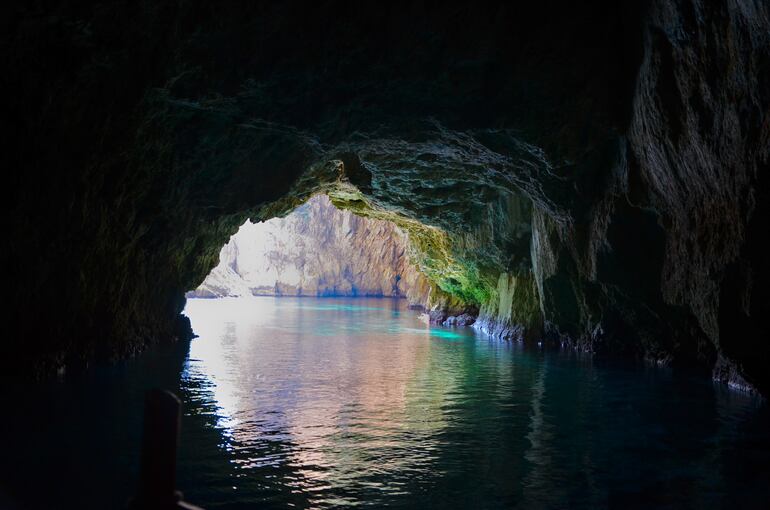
[317, 250]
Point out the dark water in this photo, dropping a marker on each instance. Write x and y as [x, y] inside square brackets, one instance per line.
[325, 403]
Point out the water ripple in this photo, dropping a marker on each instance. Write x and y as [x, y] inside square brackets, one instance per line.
[343, 403]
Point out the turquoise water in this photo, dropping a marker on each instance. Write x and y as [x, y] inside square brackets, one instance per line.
[334, 403]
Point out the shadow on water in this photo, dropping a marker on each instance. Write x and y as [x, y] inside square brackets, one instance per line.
[75, 442]
[321, 403]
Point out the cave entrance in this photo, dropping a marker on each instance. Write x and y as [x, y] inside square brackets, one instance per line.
[317, 250]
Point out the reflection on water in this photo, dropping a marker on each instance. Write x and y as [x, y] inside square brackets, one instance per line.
[319, 403]
[329, 398]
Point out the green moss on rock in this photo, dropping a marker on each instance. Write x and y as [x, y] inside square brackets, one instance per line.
[462, 279]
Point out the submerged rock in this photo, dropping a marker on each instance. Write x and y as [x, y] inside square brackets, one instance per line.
[464, 319]
[499, 329]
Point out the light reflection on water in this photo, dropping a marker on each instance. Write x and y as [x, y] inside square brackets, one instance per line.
[325, 391]
[319, 403]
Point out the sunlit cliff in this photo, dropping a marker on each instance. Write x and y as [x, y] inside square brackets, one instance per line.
[318, 250]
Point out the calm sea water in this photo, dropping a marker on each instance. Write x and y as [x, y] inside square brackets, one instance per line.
[333, 403]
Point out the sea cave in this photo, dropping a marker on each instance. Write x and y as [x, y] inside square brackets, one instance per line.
[407, 254]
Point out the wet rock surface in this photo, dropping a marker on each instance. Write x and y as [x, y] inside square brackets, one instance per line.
[596, 173]
[461, 320]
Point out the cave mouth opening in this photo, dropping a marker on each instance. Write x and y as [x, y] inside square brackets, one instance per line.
[317, 250]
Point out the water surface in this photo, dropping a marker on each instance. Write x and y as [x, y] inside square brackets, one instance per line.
[327, 403]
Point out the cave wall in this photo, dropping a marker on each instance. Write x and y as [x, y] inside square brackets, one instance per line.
[592, 172]
[665, 246]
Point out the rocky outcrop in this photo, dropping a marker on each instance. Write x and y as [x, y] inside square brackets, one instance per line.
[595, 173]
[317, 250]
[464, 319]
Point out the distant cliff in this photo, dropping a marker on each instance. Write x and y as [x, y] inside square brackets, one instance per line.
[317, 250]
